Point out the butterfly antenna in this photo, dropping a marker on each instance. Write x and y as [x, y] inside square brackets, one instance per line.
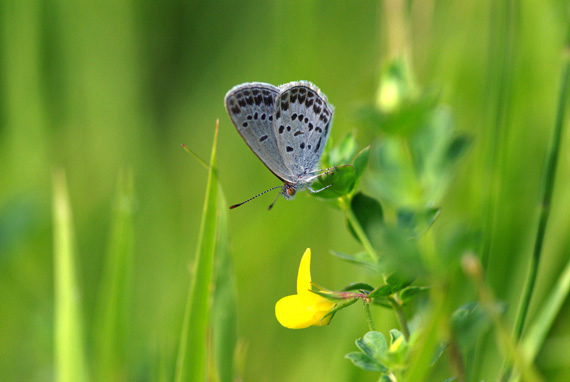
[250, 199]
[273, 203]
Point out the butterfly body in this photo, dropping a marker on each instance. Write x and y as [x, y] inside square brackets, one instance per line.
[287, 127]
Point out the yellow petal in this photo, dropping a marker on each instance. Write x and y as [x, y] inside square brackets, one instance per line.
[304, 275]
[292, 313]
[305, 308]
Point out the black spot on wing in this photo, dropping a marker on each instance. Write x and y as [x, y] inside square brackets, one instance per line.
[294, 95]
[302, 95]
[318, 144]
[289, 149]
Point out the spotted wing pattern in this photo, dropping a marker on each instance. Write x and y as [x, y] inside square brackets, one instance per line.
[251, 108]
[303, 119]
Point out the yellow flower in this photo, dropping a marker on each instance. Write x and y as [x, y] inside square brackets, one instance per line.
[305, 308]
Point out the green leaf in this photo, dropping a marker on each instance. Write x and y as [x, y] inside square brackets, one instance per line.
[341, 182]
[373, 344]
[342, 153]
[381, 291]
[383, 302]
[358, 286]
[70, 360]
[417, 222]
[397, 281]
[369, 214]
[113, 310]
[469, 323]
[362, 259]
[395, 334]
[364, 362]
[340, 306]
[192, 351]
[394, 175]
[395, 357]
[360, 162]
[399, 253]
[406, 120]
[224, 310]
[331, 296]
[409, 292]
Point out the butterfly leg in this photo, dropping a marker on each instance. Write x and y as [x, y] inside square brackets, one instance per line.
[317, 191]
[324, 171]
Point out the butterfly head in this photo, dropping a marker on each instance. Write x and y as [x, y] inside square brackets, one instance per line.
[289, 191]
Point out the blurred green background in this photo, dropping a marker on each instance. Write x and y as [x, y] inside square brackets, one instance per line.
[97, 88]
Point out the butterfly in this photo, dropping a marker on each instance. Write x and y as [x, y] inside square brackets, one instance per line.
[287, 127]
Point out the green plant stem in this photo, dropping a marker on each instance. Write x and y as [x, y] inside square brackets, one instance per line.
[548, 187]
[401, 316]
[507, 344]
[345, 205]
[369, 319]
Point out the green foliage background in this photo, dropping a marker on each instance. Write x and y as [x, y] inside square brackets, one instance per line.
[103, 88]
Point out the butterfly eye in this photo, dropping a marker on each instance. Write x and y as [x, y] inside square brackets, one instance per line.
[291, 191]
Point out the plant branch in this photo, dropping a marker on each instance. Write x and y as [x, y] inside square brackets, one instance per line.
[369, 319]
[345, 205]
[401, 316]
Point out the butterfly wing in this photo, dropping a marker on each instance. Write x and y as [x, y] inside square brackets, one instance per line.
[303, 119]
[251, 109]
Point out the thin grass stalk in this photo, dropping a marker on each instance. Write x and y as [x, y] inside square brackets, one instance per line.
[548, 187]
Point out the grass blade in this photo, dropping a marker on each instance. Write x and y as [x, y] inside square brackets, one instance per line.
[70, 361]
[190, 365]
[543, 322]
[548, 188]
[539, 330]
[112, 322]
[224, 315]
